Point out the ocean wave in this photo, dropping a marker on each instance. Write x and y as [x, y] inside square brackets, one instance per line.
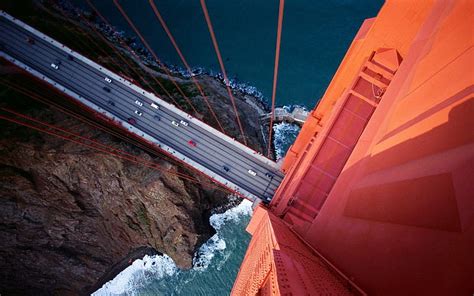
[138, 274]
[284, 136]
[143, 271]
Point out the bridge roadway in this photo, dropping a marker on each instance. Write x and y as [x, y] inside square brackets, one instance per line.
[84, 80]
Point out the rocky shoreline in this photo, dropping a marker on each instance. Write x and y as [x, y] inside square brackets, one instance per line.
[71, 218]
[248, 95]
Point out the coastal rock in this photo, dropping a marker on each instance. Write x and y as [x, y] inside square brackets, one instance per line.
[69, 213]
[72, 217]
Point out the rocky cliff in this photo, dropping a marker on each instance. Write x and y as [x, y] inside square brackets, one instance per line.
[68, 213]
[71, 217]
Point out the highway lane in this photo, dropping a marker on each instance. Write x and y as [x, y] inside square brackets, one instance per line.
[212, 151]
[176, 131]
[101, 76]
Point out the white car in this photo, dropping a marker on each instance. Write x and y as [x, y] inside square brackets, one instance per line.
[174, 123]
[138, 103]
[138, 113]
[252, 173]
[108, 80]
[55, 66]
[185, 123]
[155, 106]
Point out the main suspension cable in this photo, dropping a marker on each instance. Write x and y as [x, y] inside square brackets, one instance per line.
[221, 63]
[275, 72]
[154, 167]
[123, 43]
[114, 151]
[82, 118]
[145, 43]
[188, 68]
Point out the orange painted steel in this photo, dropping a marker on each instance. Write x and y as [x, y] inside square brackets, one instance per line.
[152, 52]
[275, 72]
[221, 64]
[379, 181]
[130, 50]
[281, 263]
[188, 68]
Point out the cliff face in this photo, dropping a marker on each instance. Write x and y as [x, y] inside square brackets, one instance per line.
[71, 217]
[68, 213]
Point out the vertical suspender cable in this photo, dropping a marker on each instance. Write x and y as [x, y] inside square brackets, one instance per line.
[188, 68]
[123, 43]
[221, 63]
[275, 72]
[117, 52]
[152, 52]
[91, 40]
[129, 21]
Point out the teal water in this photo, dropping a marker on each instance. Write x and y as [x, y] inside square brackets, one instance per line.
[215, 267]
[316, 35]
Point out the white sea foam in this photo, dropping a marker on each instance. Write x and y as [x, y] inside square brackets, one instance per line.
[137, 274]
[284, 136]
[142, 271]
[233, 214]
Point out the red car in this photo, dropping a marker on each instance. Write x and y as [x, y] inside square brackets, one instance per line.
[132, 120]
[192, 143]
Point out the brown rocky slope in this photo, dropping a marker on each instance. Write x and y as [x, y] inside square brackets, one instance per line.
[71, 217]
[69, 214]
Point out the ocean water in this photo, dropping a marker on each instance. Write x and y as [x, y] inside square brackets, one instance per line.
[216, 264]
[315, 37]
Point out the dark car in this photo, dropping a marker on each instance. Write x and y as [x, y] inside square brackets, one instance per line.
[106, 89]
[157, 117]
[131, 120]
[70, 57]
[226, 168]
[269, 175]
[30, 40]
[111, 103]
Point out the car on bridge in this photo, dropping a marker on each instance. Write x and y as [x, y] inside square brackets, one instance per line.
[138, 113]
[175, 123]
[106, 89]
[185, 123]
[269, 175]
[253, 173]
[55, 64]
[155, 106]
[70, 57]
[131, 120]
[139, 103]
[108, 80]
[192, 143]
[226, 168]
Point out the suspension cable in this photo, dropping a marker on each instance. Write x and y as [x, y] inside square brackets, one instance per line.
[129, 21]
[83, 119]
[154, 167]
[188, 68]
[221, 63]
[60, 108]
[114, 151]
[123, 43]
[91, 40]
[117, 52]
[275, 72]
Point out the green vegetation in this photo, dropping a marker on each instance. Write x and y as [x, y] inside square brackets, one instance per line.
[142, 216]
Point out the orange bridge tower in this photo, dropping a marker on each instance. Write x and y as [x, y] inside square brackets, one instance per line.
[378, 196]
